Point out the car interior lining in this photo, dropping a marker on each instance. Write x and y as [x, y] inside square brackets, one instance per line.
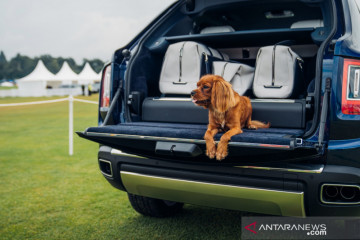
[231, 29]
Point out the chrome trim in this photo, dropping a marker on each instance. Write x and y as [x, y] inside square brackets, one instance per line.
[121, 153]
[252, 100]
[338, 185]
[172, 99]
[106, 161]
[348, 83]
[319, 170]
[186, 140]
[153, 138]
[276, 202]
[273, 100]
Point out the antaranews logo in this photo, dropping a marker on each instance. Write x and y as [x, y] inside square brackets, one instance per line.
[291, 228]
[311, 229]
[251, 227]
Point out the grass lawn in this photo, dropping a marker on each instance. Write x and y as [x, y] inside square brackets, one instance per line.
[7, 88]
[46, 194]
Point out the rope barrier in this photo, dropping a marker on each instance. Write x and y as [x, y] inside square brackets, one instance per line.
[85, 101]
[44, 102]
[32, 103]
[71, 100]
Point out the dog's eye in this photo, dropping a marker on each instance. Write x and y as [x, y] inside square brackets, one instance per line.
[205, 87]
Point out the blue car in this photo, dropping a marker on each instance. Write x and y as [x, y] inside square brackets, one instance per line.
[307, 163]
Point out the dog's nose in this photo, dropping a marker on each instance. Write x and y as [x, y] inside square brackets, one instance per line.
[193, 93]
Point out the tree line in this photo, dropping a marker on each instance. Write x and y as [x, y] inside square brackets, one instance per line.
[20, 65]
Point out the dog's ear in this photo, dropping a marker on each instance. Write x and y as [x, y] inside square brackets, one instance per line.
[222, 95]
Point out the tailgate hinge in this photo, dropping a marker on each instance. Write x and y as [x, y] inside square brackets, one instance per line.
[310, 101]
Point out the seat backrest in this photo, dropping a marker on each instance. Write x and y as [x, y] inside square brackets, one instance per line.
[315, 23]
[319, 34]
[217, 29]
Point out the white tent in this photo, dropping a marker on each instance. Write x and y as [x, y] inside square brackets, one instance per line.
[34, 84]
[99, 76]
[40, 73]
[6, 84]
[88, 75]
[40, 80]
[66, 75]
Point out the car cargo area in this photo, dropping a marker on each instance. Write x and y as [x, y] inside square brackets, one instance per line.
[146, 116]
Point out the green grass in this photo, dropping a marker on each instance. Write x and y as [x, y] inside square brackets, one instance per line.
[46, 194]
[7, 88]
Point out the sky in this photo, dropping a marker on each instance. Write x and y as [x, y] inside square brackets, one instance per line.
[73, 28]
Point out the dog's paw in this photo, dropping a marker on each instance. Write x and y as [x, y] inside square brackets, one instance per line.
[252, 127]
[221, 155]
[211, 150]
[222, 151]
[211, 153]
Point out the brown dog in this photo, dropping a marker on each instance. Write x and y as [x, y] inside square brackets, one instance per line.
[228, 112]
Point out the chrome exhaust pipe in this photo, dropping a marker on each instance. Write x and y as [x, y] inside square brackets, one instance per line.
[348, 192]
[106, 168]
[340, 193]
[331, 191]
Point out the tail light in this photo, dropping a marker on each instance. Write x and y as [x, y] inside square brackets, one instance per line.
[105, 88]
[350, 102]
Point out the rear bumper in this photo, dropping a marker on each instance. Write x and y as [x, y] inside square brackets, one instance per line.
[233, 197]
[276, 191]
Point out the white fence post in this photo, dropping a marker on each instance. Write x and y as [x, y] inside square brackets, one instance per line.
[71, 125]
[71, 100]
